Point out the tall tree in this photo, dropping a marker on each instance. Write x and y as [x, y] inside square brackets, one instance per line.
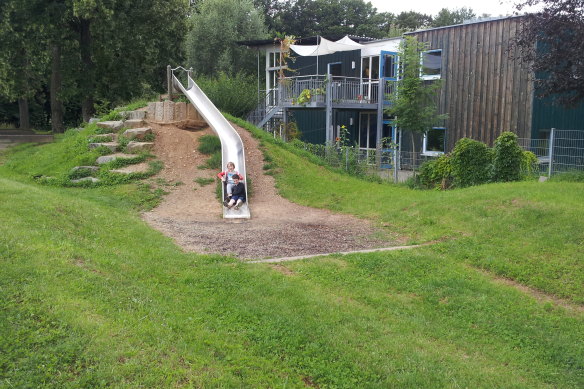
[412, 20]
[447, 17]
[212, 42]
[557, 59]
[23, 61]
[413, 101]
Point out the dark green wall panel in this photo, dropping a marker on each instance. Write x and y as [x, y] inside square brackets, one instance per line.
[547, 115]
[311, 123]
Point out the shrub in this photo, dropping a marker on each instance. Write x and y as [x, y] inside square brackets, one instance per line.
[470, 163]
[507, 158]
[529, 164]
[436, 173]
[236, 94]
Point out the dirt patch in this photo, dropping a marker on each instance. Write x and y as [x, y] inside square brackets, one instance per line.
[192, 215]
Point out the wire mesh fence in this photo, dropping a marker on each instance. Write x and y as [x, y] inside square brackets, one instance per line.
[557, 151]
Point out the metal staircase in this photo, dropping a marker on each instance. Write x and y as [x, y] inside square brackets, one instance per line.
[267, 110]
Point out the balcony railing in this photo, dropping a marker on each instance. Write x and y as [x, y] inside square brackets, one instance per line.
[343, 90]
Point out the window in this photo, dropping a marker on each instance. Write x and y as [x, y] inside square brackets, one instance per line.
[431, 62]
[434, 141]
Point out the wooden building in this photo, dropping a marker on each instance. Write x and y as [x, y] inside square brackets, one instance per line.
[486, 89]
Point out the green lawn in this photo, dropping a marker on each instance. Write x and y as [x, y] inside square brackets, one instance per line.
[92, 297]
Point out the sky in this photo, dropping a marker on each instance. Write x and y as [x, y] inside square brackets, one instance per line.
[432, 7]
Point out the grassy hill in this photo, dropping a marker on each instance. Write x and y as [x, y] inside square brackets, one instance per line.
[92, 297]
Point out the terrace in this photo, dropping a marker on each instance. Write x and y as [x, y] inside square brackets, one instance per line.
[342, 92]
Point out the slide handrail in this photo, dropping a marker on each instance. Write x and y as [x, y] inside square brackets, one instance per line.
[232, 149]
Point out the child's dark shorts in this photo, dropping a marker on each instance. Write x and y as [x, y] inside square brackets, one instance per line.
[235, 197]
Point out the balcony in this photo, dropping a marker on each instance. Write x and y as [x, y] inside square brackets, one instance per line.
[343, 92]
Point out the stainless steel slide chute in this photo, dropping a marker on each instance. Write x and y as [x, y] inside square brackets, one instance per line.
[231, 144]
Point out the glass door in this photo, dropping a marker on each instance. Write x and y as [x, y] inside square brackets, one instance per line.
[369, 78]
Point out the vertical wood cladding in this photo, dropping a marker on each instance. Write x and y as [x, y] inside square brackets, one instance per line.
[485, 88]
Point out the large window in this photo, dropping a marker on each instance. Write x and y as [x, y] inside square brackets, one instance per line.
[435, 141]
[431, 62]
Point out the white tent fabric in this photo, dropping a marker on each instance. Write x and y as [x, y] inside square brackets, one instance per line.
[326, 47]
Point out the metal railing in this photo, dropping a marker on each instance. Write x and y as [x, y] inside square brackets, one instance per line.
[343, 90]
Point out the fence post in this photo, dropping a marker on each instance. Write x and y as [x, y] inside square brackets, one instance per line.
[169, 81]
[395, 172]
[551, 153]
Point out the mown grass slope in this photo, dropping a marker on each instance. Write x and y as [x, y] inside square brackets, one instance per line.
[92, 297]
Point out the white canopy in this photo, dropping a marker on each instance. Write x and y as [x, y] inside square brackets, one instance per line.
[326, 47]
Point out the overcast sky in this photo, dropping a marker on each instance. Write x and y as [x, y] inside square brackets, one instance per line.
[432, 7]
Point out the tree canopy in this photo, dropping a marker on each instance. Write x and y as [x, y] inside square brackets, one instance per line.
[558, 57]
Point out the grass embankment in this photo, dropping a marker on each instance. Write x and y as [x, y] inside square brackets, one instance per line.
[92, 297]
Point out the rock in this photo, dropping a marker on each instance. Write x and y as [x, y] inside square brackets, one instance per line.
[91, 168]
[543, 178]
[115, 125]
[93, 120]
[137, 168]
[100, 136]
[92, 179]
[113, 146]
[136, 115]
[134, 147]
[137, 133]
[108, 158]
[134, 123]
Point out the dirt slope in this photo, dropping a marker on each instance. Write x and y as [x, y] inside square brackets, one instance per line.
[192, 215]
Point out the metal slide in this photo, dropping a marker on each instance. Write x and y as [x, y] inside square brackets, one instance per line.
[231, 144]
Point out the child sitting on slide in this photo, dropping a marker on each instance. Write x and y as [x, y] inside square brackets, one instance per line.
[227, 178]
[237, 194]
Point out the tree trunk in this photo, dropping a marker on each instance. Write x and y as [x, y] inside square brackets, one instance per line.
[86, 82]
[56, 83]
[24, 115]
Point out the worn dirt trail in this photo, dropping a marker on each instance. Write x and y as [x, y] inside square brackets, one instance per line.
[192, 215]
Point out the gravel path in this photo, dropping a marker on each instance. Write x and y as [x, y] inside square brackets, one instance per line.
[192, 216]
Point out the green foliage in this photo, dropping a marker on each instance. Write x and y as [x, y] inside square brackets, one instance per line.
[213, 162]
[413, 100]
[235, 94]
[216, 27]
[209, 144]
[204, 181]
[471, 163]
[507, 158]
[446, 17]
[529, 164]
[436, 173]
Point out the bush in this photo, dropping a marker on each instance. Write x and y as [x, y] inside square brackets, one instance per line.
[507, 158]
[236, 95]
[529, 164]
[436, 173]
[471, 163]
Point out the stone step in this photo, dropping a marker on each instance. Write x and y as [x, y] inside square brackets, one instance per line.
[90, 168]
[134, 123]
[137, 133]
[111, 135]
[134, 115]
[108, 158]
[136, 147]
[91, 179]
[115, 125]
[142, 167]
[113, 146]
